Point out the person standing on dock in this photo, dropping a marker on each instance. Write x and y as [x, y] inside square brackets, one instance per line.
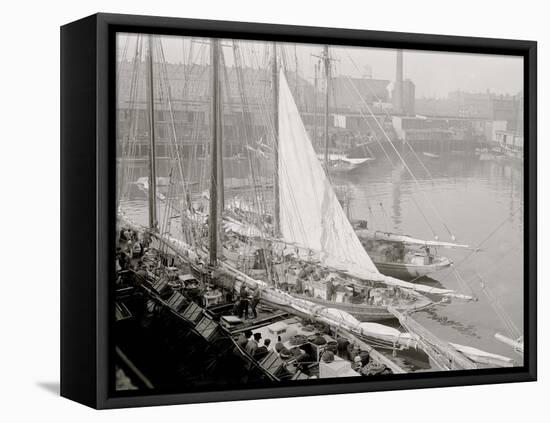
[256, 294]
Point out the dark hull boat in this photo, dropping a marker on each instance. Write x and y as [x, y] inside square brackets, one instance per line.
[366, 312]
[402, 256]
[410, 270]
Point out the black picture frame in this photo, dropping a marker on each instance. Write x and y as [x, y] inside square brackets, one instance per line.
[88, 194]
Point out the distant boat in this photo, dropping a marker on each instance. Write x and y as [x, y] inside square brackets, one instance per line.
[341, 163]
[430, 155]
[512, 153]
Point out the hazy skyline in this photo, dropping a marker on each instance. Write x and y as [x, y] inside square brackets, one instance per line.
[434, 73]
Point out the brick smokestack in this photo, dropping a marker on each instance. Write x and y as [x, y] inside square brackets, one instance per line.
[398, 89]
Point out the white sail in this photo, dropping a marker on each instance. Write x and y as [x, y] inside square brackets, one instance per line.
[310, 214]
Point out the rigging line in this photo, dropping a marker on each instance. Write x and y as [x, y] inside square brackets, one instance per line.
[128, 149]
[296, 70]
[387, 219]
[493, 300]
[245, 115]
[376, 136]
[494, 264]
[197, 88]
[372, 214]
[464, 285]
[165, 223]
[490, 235]
[187, 66]
[335, 105]
[131, 147]
[388, 115]
[404, 164]
[126, 142]
[419, 161]
[174, 138]
[122, 61]
[480, 244]
[499, 310]
[122, 167]
[267, 122]
[368, 150]
[195, 131]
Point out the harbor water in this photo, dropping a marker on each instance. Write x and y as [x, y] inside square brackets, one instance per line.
[481, 204]
[478, 202]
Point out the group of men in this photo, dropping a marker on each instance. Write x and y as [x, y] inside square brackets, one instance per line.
[251, 344]
[360, 359]
[247, 298]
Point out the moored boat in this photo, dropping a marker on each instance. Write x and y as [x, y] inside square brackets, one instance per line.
[342, 163]
[411, 270]
[430, 155]
[312, 224]
[402, 256]
[365, 312]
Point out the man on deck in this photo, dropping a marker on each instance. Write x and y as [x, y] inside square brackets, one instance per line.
[243, 338]
[243, 298]
[255, 300]
[252, 344]
[329, 287]
[262, 351]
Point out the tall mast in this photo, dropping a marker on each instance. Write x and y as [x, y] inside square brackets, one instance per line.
[315, 105]
[327, 94]
[152, 154]
[219, 118]
[275, 85]
[214, 150]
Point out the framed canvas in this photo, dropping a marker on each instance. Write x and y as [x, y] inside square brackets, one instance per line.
[257, 211]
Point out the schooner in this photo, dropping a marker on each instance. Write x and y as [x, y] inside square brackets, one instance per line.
[309, 230]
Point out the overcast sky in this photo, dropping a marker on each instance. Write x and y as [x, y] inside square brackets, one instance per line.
[434, 73]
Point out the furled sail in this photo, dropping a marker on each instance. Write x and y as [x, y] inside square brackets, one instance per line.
[388, 236]
[310, 214]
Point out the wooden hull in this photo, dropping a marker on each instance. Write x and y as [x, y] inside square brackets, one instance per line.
[408, 270]
[362, 312]
[239, 259]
